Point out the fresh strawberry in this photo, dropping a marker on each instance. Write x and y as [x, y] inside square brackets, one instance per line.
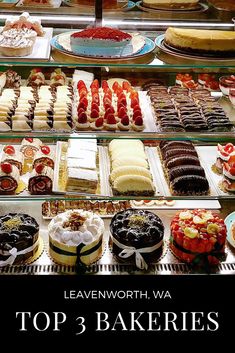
[231, 160]
[82, 93]
[229, 148]
[125, 120]
[134, 95]
[121, 106]
[111, 119]
[9, 150]
[81, 105]
[136, 107]
[119, 91]
[80, 84]
[139, 121]
[107, 105]
[45, 149]
[134, 102]
[84, 101]
[99, 122]
[94, 90]
[36, 70]
[29, 139]
[96, 99]
[122, 112]
[95, 84]
[80, 110]
[94, 114]
[232, 171]
[121, 95]
[104, 85]
[115, 86]
[136, 114]
[82, 118]
[122, 101]
[110, 110]
[126, 85]
[39, 168]
[94, 106]
[6, 168]
[34, 77]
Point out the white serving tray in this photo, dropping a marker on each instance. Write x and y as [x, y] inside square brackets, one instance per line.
[41, 49]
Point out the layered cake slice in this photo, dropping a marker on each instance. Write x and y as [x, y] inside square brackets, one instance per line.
[82, 180]
[101, 41]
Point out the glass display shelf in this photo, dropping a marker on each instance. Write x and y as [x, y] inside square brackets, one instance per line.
[108, 264]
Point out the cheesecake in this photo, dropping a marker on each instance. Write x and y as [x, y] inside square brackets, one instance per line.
[198, 41]
[170, 4]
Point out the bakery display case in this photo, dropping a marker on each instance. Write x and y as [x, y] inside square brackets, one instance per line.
[117, 160]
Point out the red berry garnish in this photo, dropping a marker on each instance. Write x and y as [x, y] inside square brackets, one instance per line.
[111, 119]
[95, 84]
[45, 149]
[82, 93]
[99, 122]
[29, 139]
[139, 121]
[136, 114]
[134, 102]
[105, 85]
[81, 105]
[125, 120]
[94, 106]
[94, 114]
[82, 118]
[122, 102]
[121, 112]
[232, 171]
[6, 168]
[96, 99]
[115, 86]
[121, 96]
[136, 107]
[9, 150]
[84, 101]
[110, 109]
[80, 84]
[37, 69]
[80, 110]
[39, 168]
[125, 85]
[107, 105]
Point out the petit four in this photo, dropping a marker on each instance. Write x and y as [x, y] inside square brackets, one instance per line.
[40, 181]
[9, 178]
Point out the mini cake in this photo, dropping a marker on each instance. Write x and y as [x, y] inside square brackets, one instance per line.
[24, 21]
[226, 83]
[223, 154]
[13, 80]
[41, 180]
[170, 4]
[29, 146]
[17, 46]
[44, 156]
[82, 180]
[198, 236]
[198, 41]
[228, 181]
[36, 78]
[9, 178]
[137, 235]
[58, 78]
[19, 238]
[101, 41]
[76, 237]
[10, 155]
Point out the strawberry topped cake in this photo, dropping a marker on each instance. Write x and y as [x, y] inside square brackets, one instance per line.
[198, 236]
[223, 155]
[228, 181]
[101, 41]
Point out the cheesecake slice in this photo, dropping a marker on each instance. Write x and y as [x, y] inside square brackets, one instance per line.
[198, 41]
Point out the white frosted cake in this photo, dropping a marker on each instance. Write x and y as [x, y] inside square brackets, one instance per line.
[76, 237]
[101, 41]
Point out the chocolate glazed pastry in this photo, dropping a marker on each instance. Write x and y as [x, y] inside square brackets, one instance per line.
[20, 231]
[190, 185]
[182, 160]
[172, 144]
[177, 152]
[185, 170]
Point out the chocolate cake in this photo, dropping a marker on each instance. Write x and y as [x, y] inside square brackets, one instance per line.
[139, 230]
[18, 232]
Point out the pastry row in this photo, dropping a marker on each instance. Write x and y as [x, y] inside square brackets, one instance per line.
[76, 237]
[125, 167]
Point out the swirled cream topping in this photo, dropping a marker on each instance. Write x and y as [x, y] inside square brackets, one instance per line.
[74, 227]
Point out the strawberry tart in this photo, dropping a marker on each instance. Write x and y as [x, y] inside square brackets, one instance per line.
[101, 41]
[223, 155]
[198, 236]
[228, 181]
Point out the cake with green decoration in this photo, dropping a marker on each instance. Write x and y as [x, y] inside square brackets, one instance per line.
[198, 236]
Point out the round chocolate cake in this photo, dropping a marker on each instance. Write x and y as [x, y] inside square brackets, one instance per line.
[18, 232]
[137, 235]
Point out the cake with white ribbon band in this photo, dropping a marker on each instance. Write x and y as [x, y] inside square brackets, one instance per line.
[137, 236]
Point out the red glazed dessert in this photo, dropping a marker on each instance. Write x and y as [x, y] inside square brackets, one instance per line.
[101, 41]
[198, 236]
[226, 83]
